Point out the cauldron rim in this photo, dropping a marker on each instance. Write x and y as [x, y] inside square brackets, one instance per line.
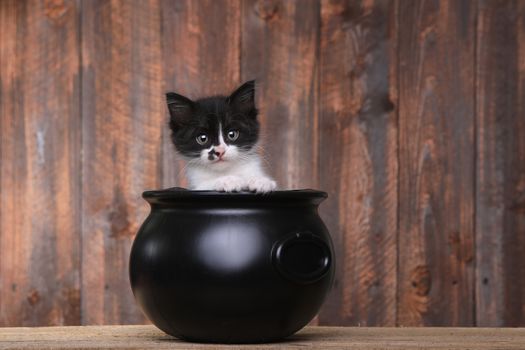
[175, 193]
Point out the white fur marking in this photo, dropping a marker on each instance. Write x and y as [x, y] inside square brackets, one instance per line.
[221, 139]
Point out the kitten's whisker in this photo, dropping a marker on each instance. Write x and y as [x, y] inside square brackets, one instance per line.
[262, 153]
[186, 164]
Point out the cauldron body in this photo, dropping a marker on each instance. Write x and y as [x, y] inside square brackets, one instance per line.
[231, 268]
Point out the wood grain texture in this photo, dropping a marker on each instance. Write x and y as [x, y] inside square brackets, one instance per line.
[123, 115]
[149, 337]
[39, 155]
[280, 42]
[409, 113]
[358, 164]
[201, 53]
[500, 173]
[436, 163]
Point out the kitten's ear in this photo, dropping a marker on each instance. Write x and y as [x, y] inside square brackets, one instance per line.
[180, 107]
[243, 99]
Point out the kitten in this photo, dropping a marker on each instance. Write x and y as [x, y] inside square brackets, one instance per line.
[218, 136]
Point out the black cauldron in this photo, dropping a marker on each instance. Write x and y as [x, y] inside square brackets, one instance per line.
[232, 267]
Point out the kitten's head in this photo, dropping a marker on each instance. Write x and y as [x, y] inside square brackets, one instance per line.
[215, 131]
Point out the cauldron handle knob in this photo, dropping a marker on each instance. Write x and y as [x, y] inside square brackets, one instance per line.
[302, 257]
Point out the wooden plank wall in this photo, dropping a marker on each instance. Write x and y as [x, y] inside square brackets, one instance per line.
[122, 108]
[359, 164]
[436, 163]
[500, 169]
[40, 173]
[410, 114]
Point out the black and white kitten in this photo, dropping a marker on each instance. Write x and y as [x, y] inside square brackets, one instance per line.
[217, 136]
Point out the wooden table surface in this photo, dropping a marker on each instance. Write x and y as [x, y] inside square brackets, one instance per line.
[149, 337]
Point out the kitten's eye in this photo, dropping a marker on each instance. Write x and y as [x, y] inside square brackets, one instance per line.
[202, 139]
[233, 135]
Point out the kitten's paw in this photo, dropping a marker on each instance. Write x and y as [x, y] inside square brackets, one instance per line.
[261, 184]
[229, 184]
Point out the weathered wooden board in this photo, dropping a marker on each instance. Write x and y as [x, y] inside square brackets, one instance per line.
[500, 173]
[40, 164]
[358, 161]
[149, 337]
[200, 41]
[436, 163]
[280, 43]
[122, 119]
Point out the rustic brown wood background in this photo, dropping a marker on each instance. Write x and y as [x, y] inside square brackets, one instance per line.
[411, 114]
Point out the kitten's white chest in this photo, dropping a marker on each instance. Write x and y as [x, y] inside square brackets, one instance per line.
[236, 176]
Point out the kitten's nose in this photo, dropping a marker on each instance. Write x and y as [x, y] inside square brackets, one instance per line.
[219, 151]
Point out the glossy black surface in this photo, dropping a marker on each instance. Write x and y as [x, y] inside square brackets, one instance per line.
[232, 267]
